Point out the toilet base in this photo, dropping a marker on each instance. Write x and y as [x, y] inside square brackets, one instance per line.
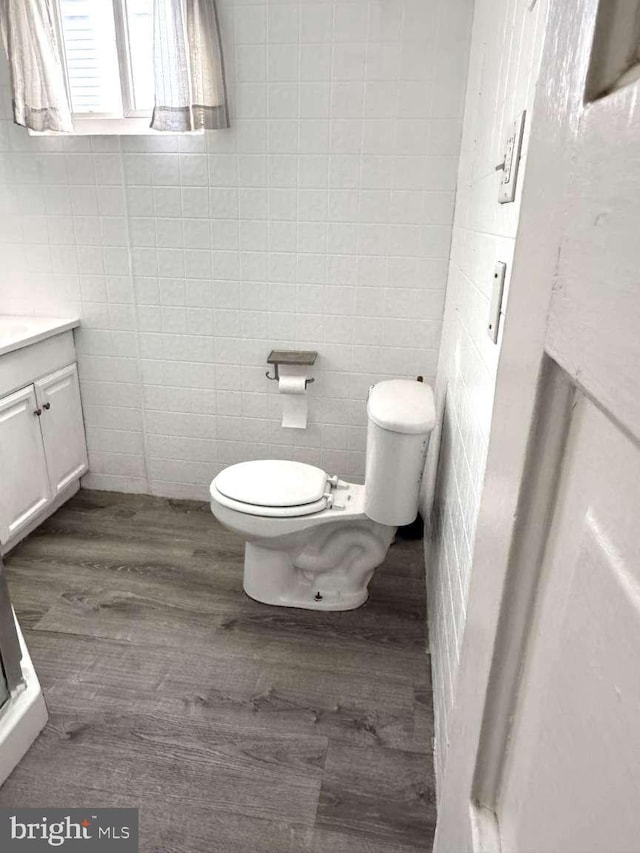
[327, 569]
[326, 603]
[271, 577]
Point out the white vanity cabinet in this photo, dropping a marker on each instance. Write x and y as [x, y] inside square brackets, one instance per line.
[25, 483]
[43, 451]
[62, 427]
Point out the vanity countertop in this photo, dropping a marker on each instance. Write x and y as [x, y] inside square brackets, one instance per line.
[17, 332]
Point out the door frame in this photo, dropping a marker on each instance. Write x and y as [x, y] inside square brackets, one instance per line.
[465, 825]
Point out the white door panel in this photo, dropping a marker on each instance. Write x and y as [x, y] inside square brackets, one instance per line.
[572, 779]
[545, 731]
[24, 485]
[62, 427]
[571, 775]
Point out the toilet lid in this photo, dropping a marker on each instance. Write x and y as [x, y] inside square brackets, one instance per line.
[272, 483]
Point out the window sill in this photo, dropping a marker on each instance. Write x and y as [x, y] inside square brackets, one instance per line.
[138, 126]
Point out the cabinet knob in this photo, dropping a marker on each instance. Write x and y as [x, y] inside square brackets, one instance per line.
[38, 412]
[46, 406]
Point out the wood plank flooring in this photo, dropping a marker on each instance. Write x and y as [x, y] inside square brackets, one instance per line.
[231, 725]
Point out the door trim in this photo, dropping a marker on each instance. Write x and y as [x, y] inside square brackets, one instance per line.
[557, 105]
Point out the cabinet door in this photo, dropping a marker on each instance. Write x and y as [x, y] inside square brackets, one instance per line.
[62, 427]
[24, 485]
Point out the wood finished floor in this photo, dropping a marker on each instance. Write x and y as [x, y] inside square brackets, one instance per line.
[231, 725]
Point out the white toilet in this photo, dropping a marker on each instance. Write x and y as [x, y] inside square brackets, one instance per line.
[313, 541]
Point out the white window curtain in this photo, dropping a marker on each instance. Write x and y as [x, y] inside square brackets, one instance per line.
[188, 67]
[39, 94]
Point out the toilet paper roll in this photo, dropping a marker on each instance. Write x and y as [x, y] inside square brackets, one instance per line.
[292, 384]
[294, 401]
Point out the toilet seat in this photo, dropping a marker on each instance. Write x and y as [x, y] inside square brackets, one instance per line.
[273, 488]
[269, 511]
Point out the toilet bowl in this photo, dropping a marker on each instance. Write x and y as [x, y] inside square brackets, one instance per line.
[312, 540]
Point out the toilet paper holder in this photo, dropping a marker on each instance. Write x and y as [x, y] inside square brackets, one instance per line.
[297, 357]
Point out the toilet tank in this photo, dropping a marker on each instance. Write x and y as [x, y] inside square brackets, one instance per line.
[401, 415]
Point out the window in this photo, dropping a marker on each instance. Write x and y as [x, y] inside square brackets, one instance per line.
[110, 85]
[96, 70]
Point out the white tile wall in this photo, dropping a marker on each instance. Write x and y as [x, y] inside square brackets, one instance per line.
[505, 53]
[321, 220]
